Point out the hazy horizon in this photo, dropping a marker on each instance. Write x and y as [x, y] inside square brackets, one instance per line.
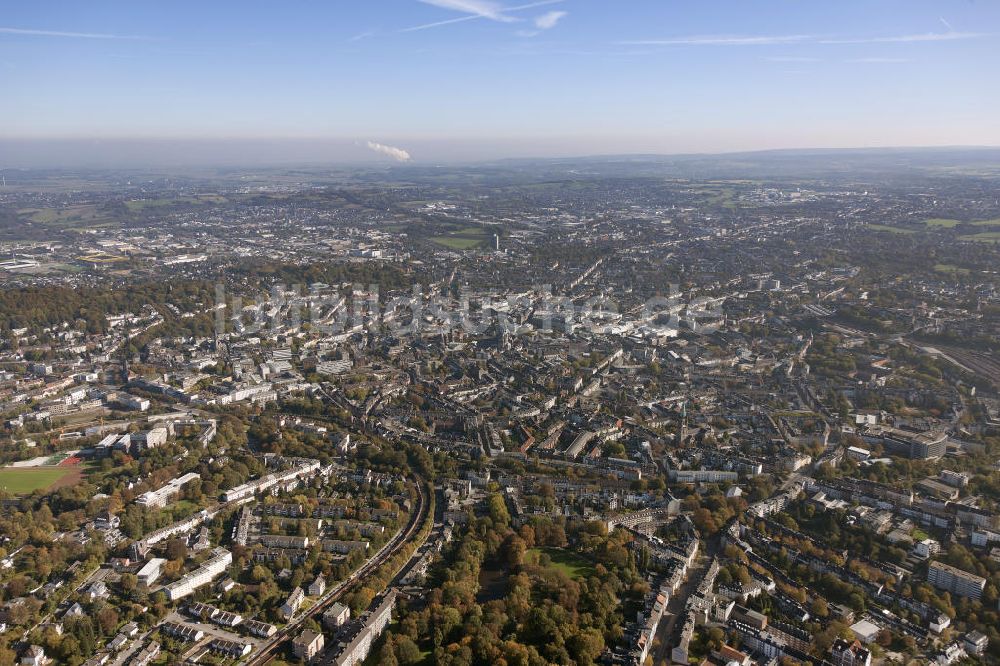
[283, 152]
[470, 80]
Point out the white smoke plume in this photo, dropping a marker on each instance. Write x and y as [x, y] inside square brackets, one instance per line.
[397, 154]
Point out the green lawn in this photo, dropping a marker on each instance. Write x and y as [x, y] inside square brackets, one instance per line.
[984, 237]
[951, 268]
[137, 205]
[458, 242]
[21, 481]
[942, 222]
[885, 227]
[569, 563]
[945, 223]
[81, 216]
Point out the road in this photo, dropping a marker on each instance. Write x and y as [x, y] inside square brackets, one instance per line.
[271, 649]
[667, 629]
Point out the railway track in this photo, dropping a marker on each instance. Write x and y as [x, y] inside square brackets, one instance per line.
[288, 632]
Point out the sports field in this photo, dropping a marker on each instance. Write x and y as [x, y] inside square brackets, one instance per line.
[25, 480]
[459, 242]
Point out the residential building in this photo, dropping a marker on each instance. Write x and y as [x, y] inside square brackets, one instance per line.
[307, 645]
[318, 586]
[976, 643]
[292, 603]
[848, 653]
[357, 650]
[150, 571]
[956, 581]
[336, 616]
[203, 575]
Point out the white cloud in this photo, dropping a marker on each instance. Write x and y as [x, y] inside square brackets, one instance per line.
[905, 39]
[721, 40]
[791, 59]
[362, 35]
[60, 33]
[477, 9]
[877, 60]
[493, 11]
[395, 153]
[549, 19]
[772, 40]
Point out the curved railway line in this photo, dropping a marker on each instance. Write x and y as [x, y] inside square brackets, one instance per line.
[288, 632]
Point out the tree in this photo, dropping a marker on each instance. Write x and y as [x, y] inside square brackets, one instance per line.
[360, 601]
[259, 574]
[704, 521]
[407, 651]
[513, 550]
[585, 646]
[498, 510]
[176, 549]
[107, 617]
[386, 653]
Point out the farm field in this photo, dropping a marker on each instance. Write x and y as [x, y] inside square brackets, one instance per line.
[984, 237]
[83, 216]
[945, 223]
[894, 230]
[942, 223]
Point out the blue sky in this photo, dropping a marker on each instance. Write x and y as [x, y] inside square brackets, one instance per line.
[483, 78]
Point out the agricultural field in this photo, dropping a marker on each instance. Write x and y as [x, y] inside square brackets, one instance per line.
[951, 268]
[984, 237]
[894, 230]
[83, 216]
[945, 223]
[139, 205]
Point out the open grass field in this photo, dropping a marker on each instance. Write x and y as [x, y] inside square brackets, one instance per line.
[984, 237]
[142, 204]
[951, 268]
[82, 216]
[894, 230]
[942, 223]
[98, 258]
[137, 205]
[22, 481]
[459, 242]
[569, 563]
